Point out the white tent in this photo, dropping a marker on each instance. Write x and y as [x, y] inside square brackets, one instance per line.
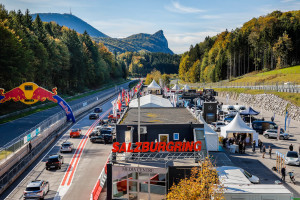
[175, 87]
[212, 138]
[237, 126]
[150, 101]
[154, 87]
[186, 88]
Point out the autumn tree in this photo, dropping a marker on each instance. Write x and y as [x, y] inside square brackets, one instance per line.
[203, 184]
[281, 49]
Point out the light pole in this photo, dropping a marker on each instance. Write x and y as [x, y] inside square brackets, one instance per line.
[139, 118]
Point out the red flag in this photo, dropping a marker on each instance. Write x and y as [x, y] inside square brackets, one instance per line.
[119, 105]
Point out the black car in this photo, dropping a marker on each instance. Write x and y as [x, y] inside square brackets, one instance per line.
[54, 162]
[94, 116]
[98, 110]
[103, 138]
[94, 133]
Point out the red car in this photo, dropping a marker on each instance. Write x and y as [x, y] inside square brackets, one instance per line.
[75, 133]
[111, 116]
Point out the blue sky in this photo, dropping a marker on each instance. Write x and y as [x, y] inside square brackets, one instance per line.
[183, 22]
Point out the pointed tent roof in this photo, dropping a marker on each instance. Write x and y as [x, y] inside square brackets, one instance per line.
[175, 87]
[150, 101]
[186, 87]
[154, 85]
[237, 125]
[207, 128]
[249, 111]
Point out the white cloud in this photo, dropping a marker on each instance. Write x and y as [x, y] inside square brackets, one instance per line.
[180, 43]
[178, 8]
[210, 17]
[286, 1]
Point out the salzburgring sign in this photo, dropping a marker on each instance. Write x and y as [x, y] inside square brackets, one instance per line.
[156, 147]
[30, 93]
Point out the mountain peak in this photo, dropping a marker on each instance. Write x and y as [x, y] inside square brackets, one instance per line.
[70, 21]
[159, 33]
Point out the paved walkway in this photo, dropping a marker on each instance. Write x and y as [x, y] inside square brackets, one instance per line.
[252, 161]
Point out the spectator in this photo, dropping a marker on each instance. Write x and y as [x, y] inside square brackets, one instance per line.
[29, 146]
[260, 145]
[291, 147]
[283, 173]
[270, 151]
[272, 118]
[253, 146]
[264, 151]
[299, 150]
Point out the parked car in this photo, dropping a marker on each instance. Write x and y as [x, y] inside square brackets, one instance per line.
[66, 146]
[54, 162]
[94, 133]
[97, 110]
[272, 133]
[216, 126]
[292, 158]
[102, 138]
[228, 118]
[260, 126]
[75, 132]
[93, 116]
[36, 190]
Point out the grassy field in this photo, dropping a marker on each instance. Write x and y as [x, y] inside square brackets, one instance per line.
[45, 107]
[290, 74]
[292, 97]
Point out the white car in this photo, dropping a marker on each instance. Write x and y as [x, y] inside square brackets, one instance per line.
[36, 190]
[216, 126]
[272, 133]
[292, 158]
[66, 147]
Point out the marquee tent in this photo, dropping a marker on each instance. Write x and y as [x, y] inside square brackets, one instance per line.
[154, 87]
[238, 126]
[186, 88]
[249, 111]
[150, 101]
[175, 87]
[212, 138]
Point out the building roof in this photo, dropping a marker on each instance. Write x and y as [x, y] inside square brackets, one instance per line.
[151, 101]
[159, 116]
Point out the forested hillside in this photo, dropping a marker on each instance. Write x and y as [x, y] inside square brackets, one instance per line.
[141, 63]
[51, 55]
[264, 43]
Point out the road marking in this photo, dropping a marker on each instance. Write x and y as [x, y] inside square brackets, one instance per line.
[63, 188]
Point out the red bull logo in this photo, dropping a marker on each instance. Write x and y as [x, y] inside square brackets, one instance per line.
[28, 93]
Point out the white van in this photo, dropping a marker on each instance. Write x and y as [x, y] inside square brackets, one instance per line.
[239, 108]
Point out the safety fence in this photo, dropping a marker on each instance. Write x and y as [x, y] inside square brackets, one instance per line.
[21, 156]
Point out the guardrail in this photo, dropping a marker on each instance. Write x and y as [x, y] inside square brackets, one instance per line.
[278, 86]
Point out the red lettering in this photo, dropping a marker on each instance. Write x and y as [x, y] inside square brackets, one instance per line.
[197, 146]
[151, 147]
[129, 147]
[189, 146]
[115, 147]
[177, 146]
[145, 147]
[183, 146]
[161, 145]
[122, 148]
[137, 148]
[170, 148]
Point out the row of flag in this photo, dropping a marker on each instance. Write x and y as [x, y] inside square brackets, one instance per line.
[125, 96]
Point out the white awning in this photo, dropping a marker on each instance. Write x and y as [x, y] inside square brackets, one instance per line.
[150, 101]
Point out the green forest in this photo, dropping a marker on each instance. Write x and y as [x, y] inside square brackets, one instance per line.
[139, 64]
[261, 44]
[52, 56]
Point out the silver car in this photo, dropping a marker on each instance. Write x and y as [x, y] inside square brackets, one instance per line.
[66, 146]
[272, 133]
[36, 189]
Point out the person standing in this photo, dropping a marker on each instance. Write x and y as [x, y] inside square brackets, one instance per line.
[29, 146]
[283, 173]
[260, 145]
[291, 147]
[253, 146]
[272, 118]
[270, 151]
[299, 150]
[264, 151]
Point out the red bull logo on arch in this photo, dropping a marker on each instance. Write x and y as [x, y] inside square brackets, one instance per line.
[30, 93]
